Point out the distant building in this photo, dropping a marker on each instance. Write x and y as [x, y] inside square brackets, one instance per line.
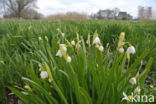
[104, 14]
[145, 13]
[111, 14]
[124, 15]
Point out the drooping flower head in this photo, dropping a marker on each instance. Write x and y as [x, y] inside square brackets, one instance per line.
[131, 50]
[44, 74]
[63, 34]
[73, 42]
[97, 41]
[101, 48]
[133, 80]
[68, 59]
[137, 90]
[40, 38]
[121, 50]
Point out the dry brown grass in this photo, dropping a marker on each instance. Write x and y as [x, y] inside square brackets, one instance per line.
[68, 16]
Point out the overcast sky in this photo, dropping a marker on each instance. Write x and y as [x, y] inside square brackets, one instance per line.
[91, 6]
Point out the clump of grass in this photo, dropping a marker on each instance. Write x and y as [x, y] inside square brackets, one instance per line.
[93, 75]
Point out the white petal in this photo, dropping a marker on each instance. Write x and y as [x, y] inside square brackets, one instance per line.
[59, 53]
[39, 38]
[96, 40]
[101, 48]
[43, 74]
[130, 50]
[121, 50]
[68, 59]
[63, 34]
[64, 49]
[137, 90]
[132, 80]
[73, 42]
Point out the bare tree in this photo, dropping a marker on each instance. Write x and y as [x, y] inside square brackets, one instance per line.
[16, 7]
[2, 7]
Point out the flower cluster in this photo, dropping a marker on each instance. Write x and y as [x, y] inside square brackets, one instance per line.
[133, 81]
[62, 52]
[121, 43]
[97, 42]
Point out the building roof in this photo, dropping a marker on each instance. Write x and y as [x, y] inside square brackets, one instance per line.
[122, 14]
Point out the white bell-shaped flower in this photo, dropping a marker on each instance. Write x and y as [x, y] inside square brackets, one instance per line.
[137, 90]
[121, 50]
[101, 48]
[68, 59]
[130, 50]
[63, 34]
[73, 42]
[44, 74]
[39, 38]
[133, 81]
[96, 40]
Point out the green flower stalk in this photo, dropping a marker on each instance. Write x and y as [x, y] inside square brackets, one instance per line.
[121, 42]
[60, 32]
[88, 40]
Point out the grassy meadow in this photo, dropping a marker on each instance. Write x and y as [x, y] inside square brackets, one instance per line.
[81, 73]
